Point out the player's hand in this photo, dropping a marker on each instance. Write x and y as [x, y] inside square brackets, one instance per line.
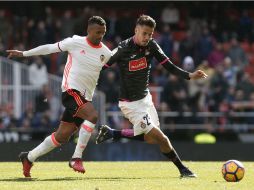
[198, 75]
[14, 53]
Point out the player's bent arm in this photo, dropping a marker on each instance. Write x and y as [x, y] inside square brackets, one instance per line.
[172, 68]
[42, 50]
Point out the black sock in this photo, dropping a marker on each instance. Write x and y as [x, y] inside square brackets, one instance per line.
[172, 155]
[128, 134]
[116, 134]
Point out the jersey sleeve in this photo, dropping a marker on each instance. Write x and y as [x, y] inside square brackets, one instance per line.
[42, 50]
[115, 55]
[66, 44]
[158, 52]
[166, 63]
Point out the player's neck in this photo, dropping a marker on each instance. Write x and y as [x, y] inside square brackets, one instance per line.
[135, 40]
[91, 41]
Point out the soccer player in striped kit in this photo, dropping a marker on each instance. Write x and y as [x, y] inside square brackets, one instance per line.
[133, 56]
[86, 57]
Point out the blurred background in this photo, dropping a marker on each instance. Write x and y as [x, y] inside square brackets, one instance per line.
[211, 119]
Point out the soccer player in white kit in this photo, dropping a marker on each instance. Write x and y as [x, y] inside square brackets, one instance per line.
[86, 57]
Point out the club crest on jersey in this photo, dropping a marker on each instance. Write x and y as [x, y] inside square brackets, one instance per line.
[102, 57]
[137, 64]
[142, 125]
[147, 52]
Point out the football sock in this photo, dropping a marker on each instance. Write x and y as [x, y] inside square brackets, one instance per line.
[127, 133]
[84, 135]
[173, 156]
[46, 146]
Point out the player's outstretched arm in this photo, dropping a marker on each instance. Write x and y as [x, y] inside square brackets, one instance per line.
[14, 53]
[197, 75]
[40, 50]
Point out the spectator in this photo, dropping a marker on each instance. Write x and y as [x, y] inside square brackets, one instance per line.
[166, 42]
[38, 75]
[170, 15]
[205, 45]
[216, 56]
[230, 71]
[237, 54]
[188, 64]
[219, 85]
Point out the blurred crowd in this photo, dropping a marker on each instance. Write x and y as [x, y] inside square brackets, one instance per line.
[216, 37]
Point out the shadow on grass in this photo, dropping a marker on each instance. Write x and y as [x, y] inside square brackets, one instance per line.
[78, 179]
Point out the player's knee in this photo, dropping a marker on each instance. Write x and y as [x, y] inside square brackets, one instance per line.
[93, 117]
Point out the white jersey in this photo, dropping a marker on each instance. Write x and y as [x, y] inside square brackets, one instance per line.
[83, 65]
[84, 62]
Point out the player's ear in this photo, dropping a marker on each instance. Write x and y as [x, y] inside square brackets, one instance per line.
[136, 29]
[88, 29]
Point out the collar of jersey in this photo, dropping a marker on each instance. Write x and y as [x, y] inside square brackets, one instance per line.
[92, 45]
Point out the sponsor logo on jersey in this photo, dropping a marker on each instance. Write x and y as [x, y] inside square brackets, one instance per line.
[137, 64]
[102, 57]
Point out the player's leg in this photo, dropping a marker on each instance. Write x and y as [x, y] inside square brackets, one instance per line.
[84, 115]
[106, 133]
[54, 140]
[134, 112]
[90, 115]
[156, 136]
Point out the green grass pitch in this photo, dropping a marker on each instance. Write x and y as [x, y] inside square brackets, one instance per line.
[121, 175]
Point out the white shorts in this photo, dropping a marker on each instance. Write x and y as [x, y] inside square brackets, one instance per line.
[141, 113]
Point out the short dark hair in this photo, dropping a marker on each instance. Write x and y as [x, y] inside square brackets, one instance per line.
[146, 20]
[96, 20]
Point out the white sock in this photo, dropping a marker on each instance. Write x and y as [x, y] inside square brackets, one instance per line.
[84, 135]
[46, 146]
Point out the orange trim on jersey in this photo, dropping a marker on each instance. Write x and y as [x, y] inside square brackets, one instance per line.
[54, 140]
[79, 109]
[87, 128]
[92, 45]
[67, 71]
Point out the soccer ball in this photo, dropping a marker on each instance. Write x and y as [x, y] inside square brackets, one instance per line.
[233, 171]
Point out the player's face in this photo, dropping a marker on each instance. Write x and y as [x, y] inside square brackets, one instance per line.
[96, 33]
[143, 34]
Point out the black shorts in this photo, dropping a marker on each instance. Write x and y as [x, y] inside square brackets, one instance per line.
[72, 100]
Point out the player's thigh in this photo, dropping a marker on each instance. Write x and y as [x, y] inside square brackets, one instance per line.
[78, 106]
[139, 117]
[154, 116]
